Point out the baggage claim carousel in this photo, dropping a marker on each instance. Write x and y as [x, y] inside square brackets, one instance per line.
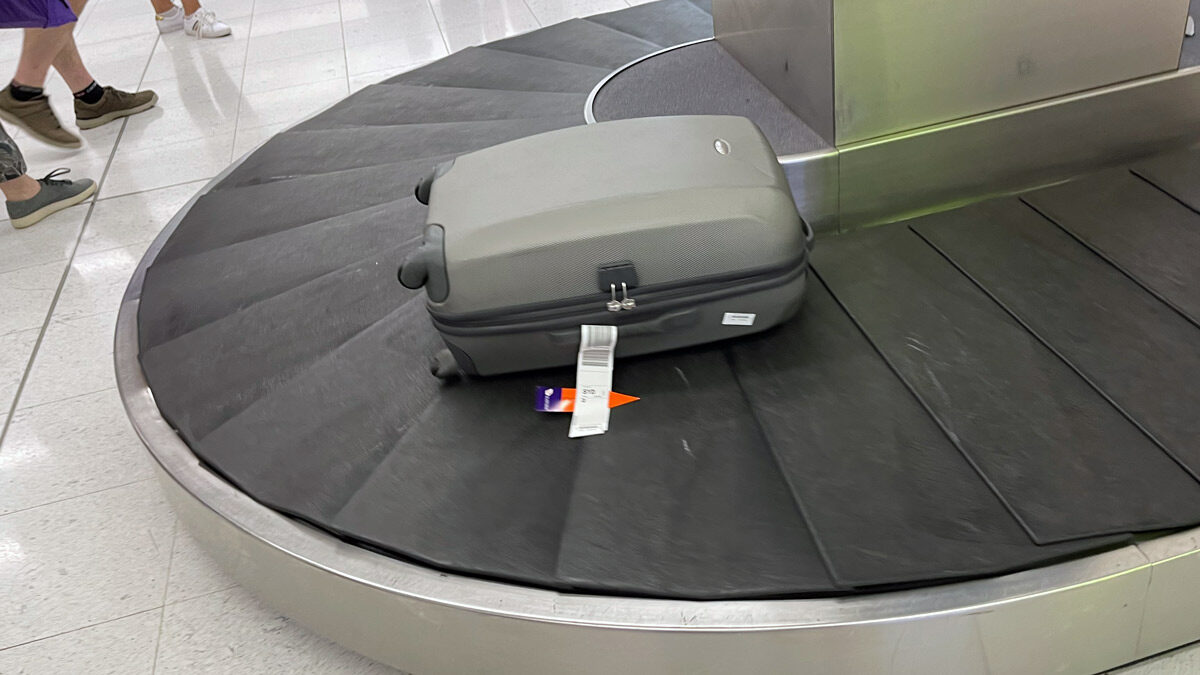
[976, 449]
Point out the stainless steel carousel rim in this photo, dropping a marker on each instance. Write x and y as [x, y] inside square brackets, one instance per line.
[345, 562]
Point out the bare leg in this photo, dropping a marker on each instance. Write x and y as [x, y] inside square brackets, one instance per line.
[15, 185]
[191, 6]
[162, 6]
[21, 188]
[38, 51]
[69, 64]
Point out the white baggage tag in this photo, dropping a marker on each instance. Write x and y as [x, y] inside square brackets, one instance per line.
[593, 380]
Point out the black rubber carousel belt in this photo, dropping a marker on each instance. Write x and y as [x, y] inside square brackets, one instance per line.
[799, 462]
[1066, 461]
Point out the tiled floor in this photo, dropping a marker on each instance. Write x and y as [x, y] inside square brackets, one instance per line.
[96, 575]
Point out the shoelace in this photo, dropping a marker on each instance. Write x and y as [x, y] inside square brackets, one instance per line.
[49, 178]
[204, 18]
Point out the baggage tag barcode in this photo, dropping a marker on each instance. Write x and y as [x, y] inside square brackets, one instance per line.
[593, 380]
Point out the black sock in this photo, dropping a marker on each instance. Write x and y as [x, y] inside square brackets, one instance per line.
[90, 93]
[23, 93]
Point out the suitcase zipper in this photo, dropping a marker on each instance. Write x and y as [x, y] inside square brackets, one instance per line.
[649, 297]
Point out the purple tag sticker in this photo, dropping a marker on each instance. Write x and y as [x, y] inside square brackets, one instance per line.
[550, 399]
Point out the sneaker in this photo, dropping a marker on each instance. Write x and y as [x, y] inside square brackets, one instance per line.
[204, 23]
[114, 104]
[36, 117]
[1190, 30]
[171, 21]
[54, 196]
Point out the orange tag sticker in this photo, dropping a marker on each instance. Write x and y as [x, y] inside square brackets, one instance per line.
[555, 399]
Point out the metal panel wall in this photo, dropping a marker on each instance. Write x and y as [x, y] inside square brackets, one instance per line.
[940, 167]
[789, 47]
[861, 69]
[904, 64]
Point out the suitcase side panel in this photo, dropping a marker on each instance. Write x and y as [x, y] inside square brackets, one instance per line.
[699, 322]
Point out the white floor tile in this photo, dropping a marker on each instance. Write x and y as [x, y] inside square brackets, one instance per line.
[294, 18]
[377, 56]
[357, 82]
[353, 10]
[249, 138]
[75, 358]
[266, 6]
[232, 632]
[232, 9]
[15, 350]
[193, 572]
[461, 36]
[78, 562]
[291, 104]
[26, 294]
[127, 26]
[295, 71]
[69, 448]
[180, 116]
[186, 61]
[463, 12]
[124, 646]
[133, 219]
[288, 44]
[390, 26]
[52, 239]
[555, 11]
[97, 281]
[167, 164]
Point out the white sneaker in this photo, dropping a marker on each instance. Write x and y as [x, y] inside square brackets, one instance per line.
[171, 21]
[1190, 31]
[204, 23]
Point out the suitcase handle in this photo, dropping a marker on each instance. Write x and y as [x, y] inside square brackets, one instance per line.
[421, 192]
[673, 321]
[426, 266]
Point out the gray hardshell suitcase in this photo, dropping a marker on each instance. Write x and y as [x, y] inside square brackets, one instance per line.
[679, 230]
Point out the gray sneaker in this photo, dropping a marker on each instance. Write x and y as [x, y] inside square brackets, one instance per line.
[114, 104]
[36, 117]
[54, 196]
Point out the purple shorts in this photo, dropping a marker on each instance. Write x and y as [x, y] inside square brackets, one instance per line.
[35, 13]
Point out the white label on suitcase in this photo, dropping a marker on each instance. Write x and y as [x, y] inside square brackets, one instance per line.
[593, 380]
[738, 319]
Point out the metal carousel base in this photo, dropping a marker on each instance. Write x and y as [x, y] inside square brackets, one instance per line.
[1081, 616]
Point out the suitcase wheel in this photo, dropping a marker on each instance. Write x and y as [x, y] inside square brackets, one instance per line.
[444, 367]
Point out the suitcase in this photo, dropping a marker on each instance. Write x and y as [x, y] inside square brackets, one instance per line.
[678, 230]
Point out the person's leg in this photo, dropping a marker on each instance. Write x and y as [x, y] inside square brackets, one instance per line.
[23, 101]
[16, 185]
[38, 50]
[70, 65]
[192, 18]
[94, 104]
[29, 200]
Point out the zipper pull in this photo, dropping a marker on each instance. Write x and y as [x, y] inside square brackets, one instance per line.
[613, 305]
[628, 302]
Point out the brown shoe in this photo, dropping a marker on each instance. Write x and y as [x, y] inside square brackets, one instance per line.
[114, 104]
[36, 117]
